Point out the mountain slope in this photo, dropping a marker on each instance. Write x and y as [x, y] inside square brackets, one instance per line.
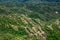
[19, 21]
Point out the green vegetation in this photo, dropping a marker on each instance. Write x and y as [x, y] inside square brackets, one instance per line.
[15, 17]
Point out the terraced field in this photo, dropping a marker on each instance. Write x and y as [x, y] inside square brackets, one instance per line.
[29, 22]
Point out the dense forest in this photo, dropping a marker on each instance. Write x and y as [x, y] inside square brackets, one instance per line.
[29, 21]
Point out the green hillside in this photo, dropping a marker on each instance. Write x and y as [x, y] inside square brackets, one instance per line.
[19, 21]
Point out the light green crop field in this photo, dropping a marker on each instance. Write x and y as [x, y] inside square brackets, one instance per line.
[20, 21]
